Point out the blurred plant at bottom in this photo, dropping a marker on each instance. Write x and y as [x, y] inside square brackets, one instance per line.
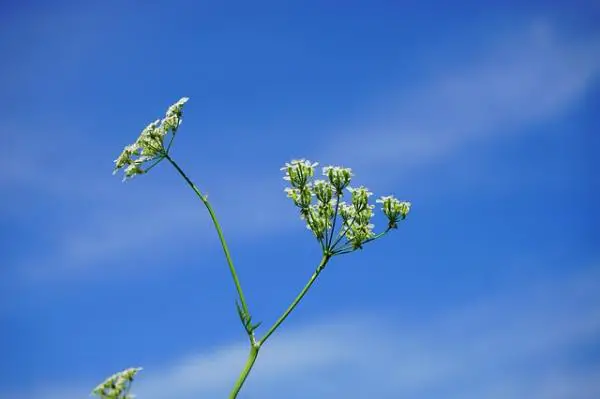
[117, 386]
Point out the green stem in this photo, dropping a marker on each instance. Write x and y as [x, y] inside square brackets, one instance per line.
[289, 310]
[347, 247]
[257, 345]
[219, 232]
[242, 378]
[337, 204]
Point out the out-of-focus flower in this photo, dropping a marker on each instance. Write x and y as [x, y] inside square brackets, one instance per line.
[117, 386]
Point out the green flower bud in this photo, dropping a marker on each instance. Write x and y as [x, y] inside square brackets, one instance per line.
[316, 222]
[360, 197]
[323, 191]
[298, 172]
[394, 209]
[339, 177]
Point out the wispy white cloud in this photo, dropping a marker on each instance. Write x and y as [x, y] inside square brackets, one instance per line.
[147, 228]
[521, 344]
[527, 77]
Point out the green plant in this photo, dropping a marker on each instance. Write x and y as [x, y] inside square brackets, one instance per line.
[320, 206]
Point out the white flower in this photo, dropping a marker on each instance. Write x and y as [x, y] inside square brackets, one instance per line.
[338, 176]
[323, 191]
[394, 209]
[360, 196]
[149, 145]
[299, 171]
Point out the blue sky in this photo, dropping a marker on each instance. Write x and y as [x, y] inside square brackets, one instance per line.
[484, 116]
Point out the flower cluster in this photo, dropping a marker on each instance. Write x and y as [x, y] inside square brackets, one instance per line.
[117, 386]
[357, 217]
[339, 177]
[150, 144]
[394, 210]
[320, 215]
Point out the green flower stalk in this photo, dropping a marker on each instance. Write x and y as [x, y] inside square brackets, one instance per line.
[340, 227]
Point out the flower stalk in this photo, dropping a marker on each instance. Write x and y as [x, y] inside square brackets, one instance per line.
[243, 309]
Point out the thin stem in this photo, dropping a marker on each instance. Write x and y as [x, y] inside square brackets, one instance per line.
[342, 233]
[257, 345]
[244, 374]
[219, 232]
[170, 142]
[289, 310]
[347, 247]
[153, 165]
[376, 236]
[337, 204]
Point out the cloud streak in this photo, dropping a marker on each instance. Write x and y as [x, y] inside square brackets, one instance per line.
[520, 344]
[529, 77]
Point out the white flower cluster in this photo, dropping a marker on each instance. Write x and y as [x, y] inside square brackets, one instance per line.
[150, 144]
[117, 386]
[320, 215]
[357, 217]
[395, 210]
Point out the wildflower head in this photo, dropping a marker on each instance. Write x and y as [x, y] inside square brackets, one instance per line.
[302, 197]
[117, 386]
[360, 196]
[338, 177]
[357, 223]
[174, 115]
[314, 221]
[299, 171]
[149, 146]
[323, 191]
[394, 209]
[303, 191]
[320, 205]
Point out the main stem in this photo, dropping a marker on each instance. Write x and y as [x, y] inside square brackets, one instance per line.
[256, 346]
[219, 232]
[245, 372]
